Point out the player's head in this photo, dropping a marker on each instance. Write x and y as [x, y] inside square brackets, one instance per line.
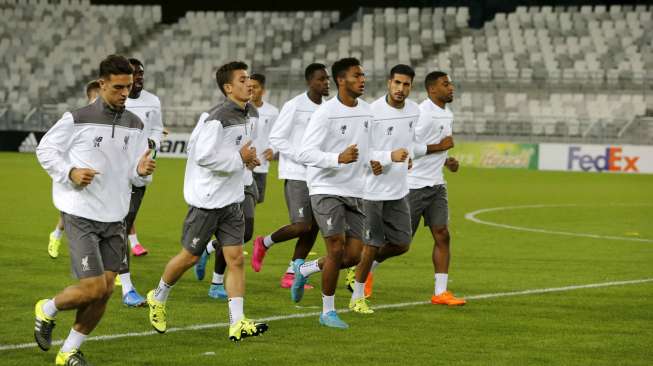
[233, 81]
[439, 87]
[92, 90]
[258, 87]
[115, 80]
[349, 76]
[317, 79]
[400, 82]
[139, 80]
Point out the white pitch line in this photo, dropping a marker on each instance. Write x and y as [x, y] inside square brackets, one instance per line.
[9, 347]
[471, 216]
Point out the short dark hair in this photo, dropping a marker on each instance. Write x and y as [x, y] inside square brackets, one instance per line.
[258, 77]
[115, 65]
[402, 69]
[136, 62]
[92, 85]
[340, 67]
[432, 77]
[311, 69]
[226, 72]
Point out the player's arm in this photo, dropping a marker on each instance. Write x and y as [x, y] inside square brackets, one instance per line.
[269, 151]
[311, 153]
[444, 145]
[280, 132]
[52, 149]
[210, 153]
[142, 160]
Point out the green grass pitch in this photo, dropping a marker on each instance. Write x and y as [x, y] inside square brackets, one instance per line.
[609, 325]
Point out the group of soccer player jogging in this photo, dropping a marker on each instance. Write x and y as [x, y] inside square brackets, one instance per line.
[363, 175]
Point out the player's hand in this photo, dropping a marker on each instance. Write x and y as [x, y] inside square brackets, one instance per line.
[377, 168]
[253, 164]
[410, 163]
[268, 154]
[248, 153]
[452, 164]
[82, 176]
[146, 164]
[350, 155]
[399, 155]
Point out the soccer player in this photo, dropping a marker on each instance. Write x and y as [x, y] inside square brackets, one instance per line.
[387, 230]
[219, 151]
[92, 90]
[148, 107]
[93, 155]
[334, 148]
[286, 137]
[428, 189]
[267, 114]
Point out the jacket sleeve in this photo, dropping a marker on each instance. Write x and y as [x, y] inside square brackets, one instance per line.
[138, 150]
[156, 125]
[422, 130]
[52, 149]
[311, 153]
[210, 151]
[280, 133]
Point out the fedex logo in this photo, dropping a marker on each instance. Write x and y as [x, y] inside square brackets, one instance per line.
[613, 160]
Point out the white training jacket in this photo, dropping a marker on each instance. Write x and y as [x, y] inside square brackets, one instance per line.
[267, 115]
[331, 129]
[101, 138]
[148, 108]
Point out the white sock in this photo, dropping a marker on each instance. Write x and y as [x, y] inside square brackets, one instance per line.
[290, 268]
[126, 281]
[359, 290]
[210, 248]
[374, 265]
[162, 291]
[50, 309]
[235, 309]
[328, 303]
[133, 240]
[309, 268]
[218, 279]
[57, 233]
[267, 241]
[441, 282]
[74, 341]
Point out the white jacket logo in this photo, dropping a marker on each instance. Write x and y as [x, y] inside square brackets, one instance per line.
[239, 139]
[343, 129]
[389, 131]
[85, 266]
[96, 141]
[126, 143]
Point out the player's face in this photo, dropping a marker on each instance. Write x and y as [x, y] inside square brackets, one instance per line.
[257, 91]
[444, 89]
[320, 83]
[139, 79]
[354, 81]
[115, 89]
[399, 87]
[239, 88]
[92, 95]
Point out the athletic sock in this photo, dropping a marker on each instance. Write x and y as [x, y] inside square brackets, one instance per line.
[290, 268]
[57, 233]
[218, 279]
[328, 303]
[74, 341]
[309, 268]
[374, 265]
[126, 281]
[133, 240]
[50, 309]
[235, 309]
[162, 291]
[210, 248]
[267, 241]
[441, 283]
[359, 290]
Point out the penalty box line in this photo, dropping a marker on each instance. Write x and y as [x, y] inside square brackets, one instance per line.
[9, 347]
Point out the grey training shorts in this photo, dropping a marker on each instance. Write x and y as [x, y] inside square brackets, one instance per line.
[430, 202]
[298, 201]
[387, 222]
[95, 247]
[261, 181]
[226, 223]
[338, 215]
[249, 204]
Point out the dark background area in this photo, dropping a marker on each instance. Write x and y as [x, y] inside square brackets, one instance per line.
[480, 10]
